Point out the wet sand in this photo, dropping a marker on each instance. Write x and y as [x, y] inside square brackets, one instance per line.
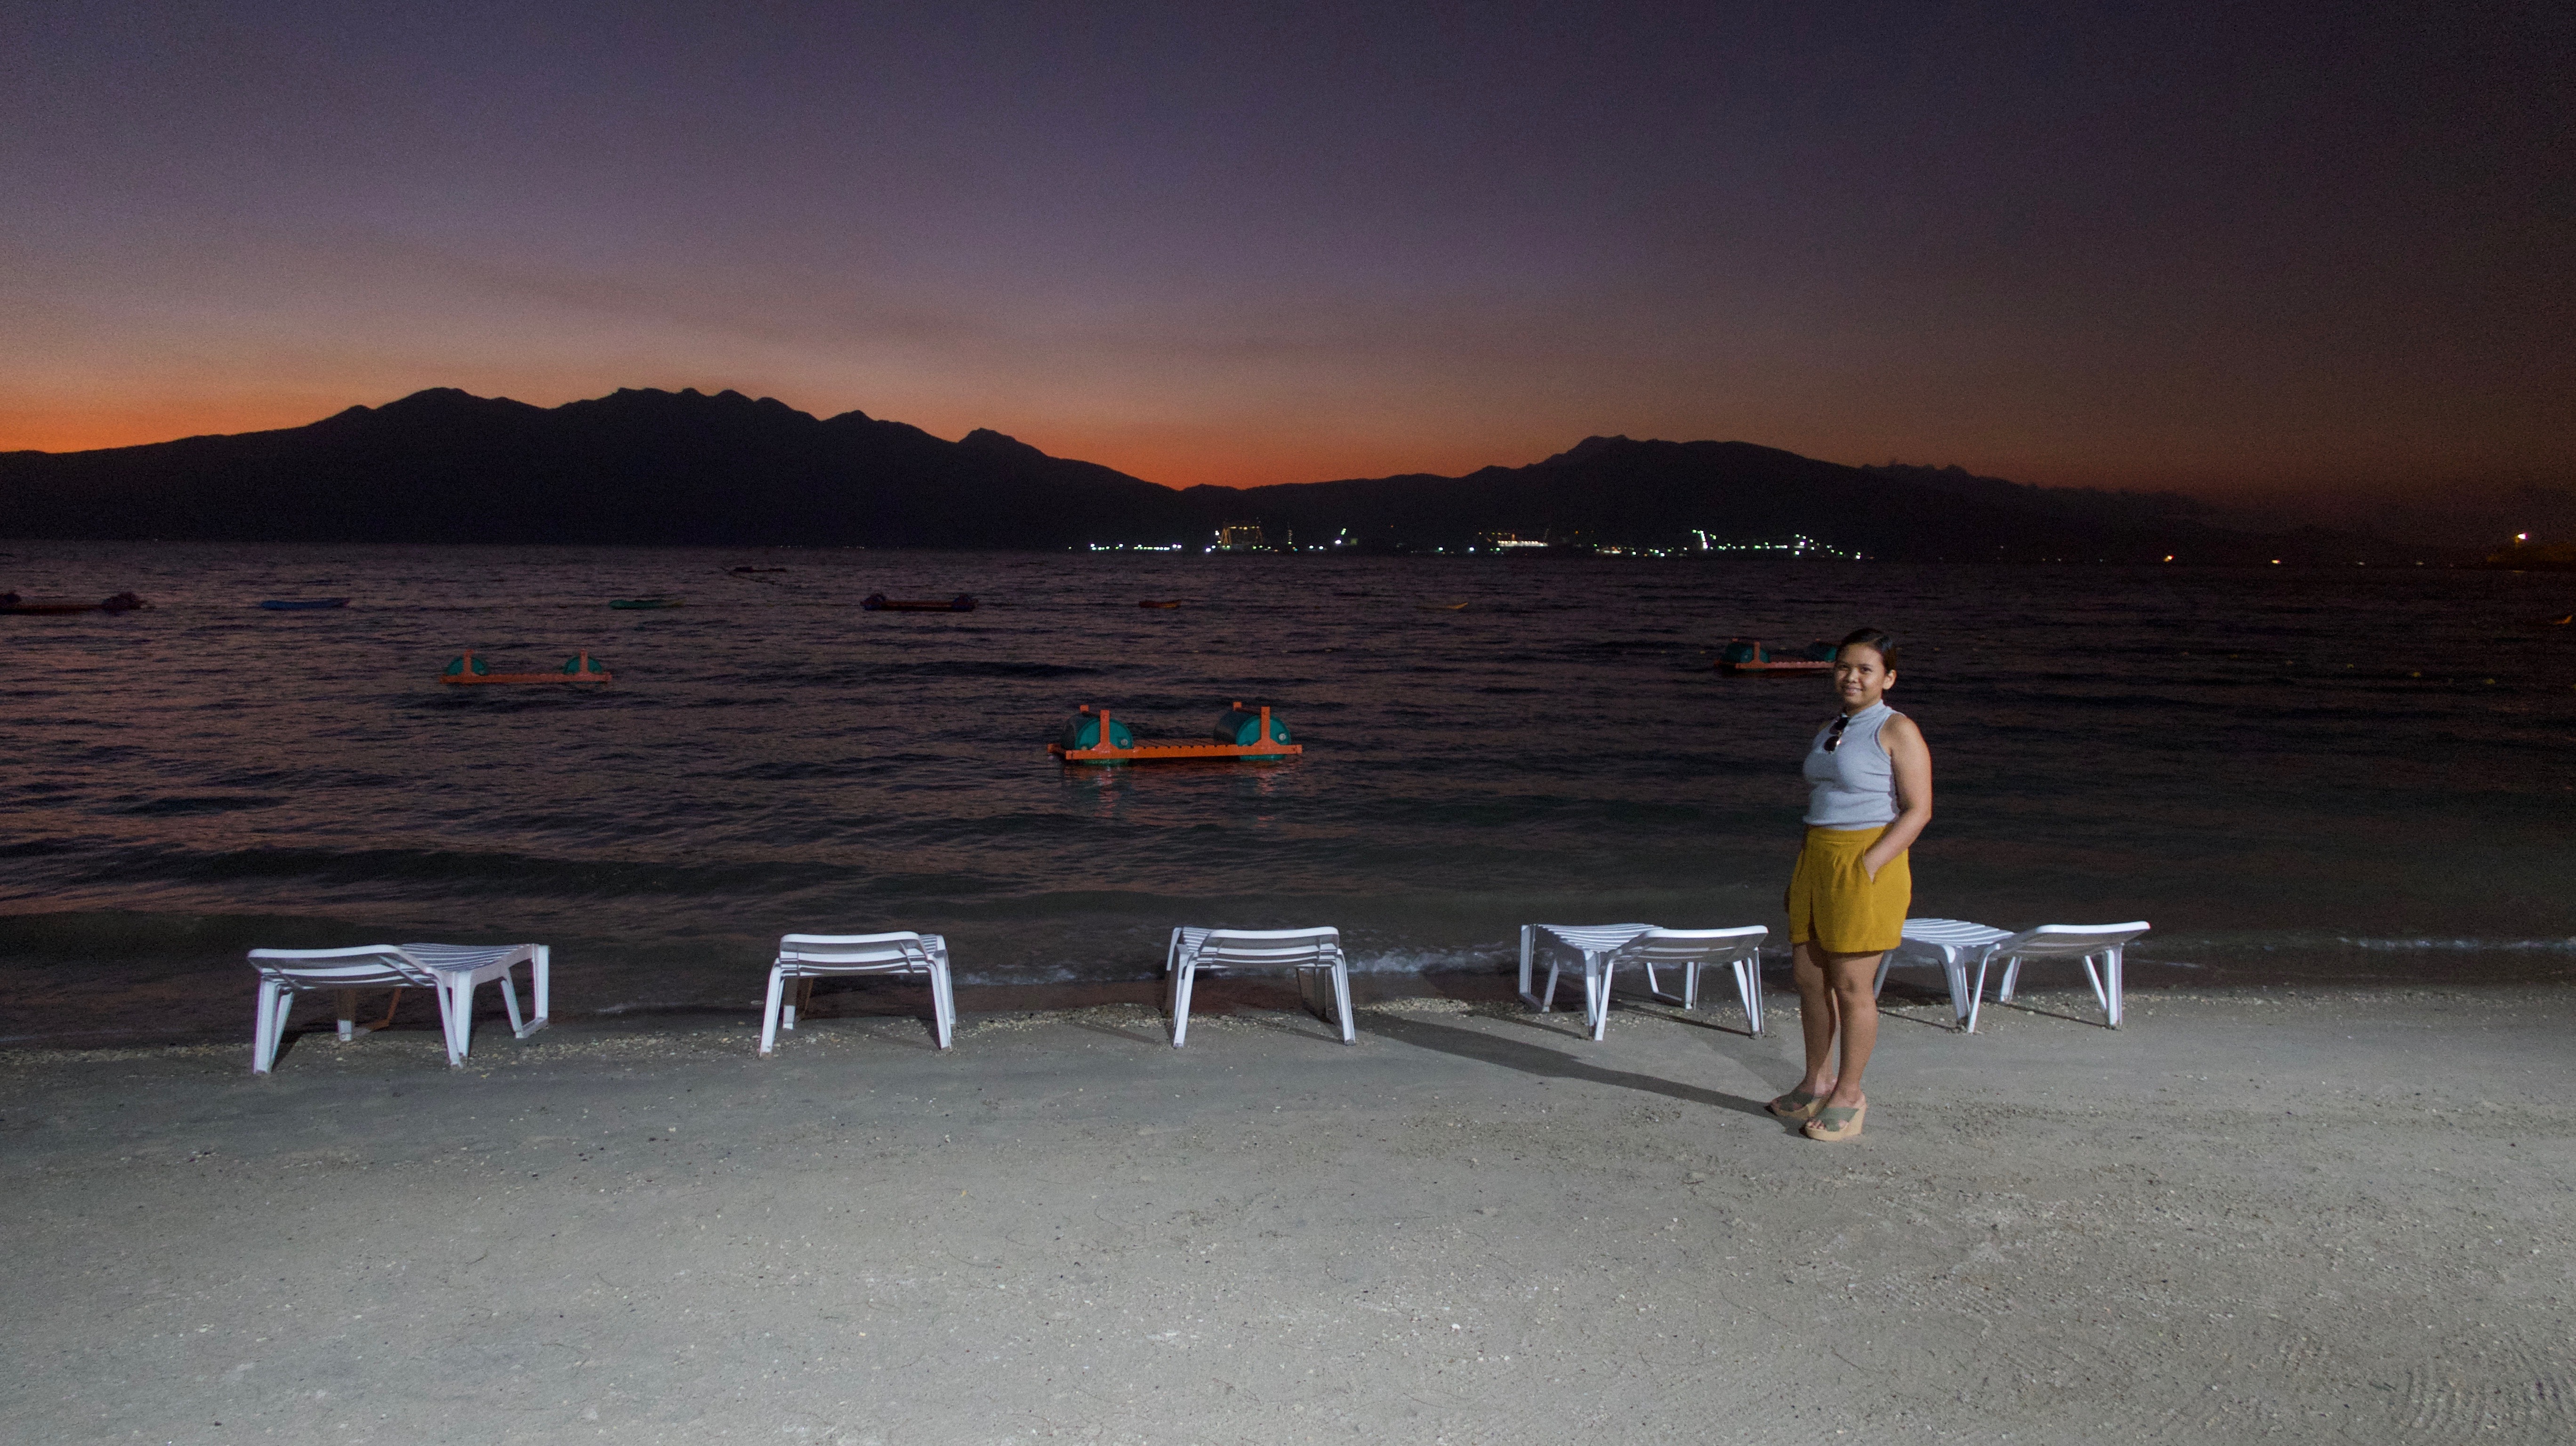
[2292, 1215]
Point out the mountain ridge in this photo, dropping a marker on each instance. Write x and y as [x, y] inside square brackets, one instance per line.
[646, 466]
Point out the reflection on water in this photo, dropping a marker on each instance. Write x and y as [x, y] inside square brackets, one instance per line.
[2292, 771]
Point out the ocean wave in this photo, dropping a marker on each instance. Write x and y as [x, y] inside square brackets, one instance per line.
[2462, 945]
[1014, 975]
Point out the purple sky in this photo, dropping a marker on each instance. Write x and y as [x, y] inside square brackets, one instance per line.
[2227, 248]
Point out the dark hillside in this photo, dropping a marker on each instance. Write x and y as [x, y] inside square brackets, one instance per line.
[652, 467]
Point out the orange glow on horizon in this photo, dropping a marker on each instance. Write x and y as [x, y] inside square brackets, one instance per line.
[86, 429]
[1198, 457]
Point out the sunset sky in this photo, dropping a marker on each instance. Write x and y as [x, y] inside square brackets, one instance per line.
[2222, 248]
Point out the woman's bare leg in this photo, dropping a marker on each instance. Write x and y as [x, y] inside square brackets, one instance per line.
[1848, 979]
[1818, 1015]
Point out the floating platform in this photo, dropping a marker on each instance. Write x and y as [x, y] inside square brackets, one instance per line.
[1091, 737]
[302, 604]
[1747, 655]
[877, 602]
[579, 668]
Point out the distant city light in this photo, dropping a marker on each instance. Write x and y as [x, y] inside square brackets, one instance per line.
[1253, 537]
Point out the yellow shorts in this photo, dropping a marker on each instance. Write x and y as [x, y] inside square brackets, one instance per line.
[1833, 902]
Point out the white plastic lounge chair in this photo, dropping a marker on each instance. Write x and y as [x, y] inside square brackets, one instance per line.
[1950, 943]
[1692, 950]
[1953, 941]
[803, 956]
[1599, 944]
[2088, 942]
[453, 970]
[1316, 955]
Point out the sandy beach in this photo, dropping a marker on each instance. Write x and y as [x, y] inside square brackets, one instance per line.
[2277, 1214]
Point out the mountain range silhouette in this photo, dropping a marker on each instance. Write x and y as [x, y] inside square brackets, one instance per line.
[683, 468]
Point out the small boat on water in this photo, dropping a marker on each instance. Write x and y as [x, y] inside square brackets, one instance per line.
[1091, 737]
[644, 602]
[579, 668]
[1747, 655]
[877, 602]
[302, 604]
[1440, 607]
[124, 602]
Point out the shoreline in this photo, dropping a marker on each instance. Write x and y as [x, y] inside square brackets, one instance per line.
[1911, 991]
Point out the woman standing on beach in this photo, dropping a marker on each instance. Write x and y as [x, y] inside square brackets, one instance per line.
[1872, 794]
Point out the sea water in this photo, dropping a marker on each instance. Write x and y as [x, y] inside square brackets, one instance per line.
[2344, 774]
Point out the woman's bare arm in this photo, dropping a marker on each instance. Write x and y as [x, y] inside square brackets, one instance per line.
[1911, 759]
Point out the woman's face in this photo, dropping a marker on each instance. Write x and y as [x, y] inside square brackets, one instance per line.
[1861, 677]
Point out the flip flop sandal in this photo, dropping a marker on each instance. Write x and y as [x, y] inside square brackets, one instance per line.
[1837, 1123]
[1802, 1106]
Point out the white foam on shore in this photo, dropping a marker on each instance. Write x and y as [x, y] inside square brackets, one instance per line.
[2460, 944]
[1402, 961]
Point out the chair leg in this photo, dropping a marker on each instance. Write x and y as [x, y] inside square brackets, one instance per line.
[1655, 987]
[2012, 979]
[1547, 1001]
[800, 996]
[1748, 987]
[542, 972]
[1690, 984]
[1342, 1000]
[2101, 996]
[456, 1017]
[1181, 1001]
[943, 1003]
[1977, 997]
[769, 1011]
[1596, 994]
[462, 1025]
[264, 1031]
[1527, 931]
[278, 1023]
[2111, 966]
[1955, 969]
[510, 1001]
[1886, 962]
[348, 1002]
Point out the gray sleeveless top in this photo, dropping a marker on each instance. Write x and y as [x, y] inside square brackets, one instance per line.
[1855, 785]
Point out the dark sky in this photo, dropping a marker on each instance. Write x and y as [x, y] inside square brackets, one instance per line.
[2225, 248]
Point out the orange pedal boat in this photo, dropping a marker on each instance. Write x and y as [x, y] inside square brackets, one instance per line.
[579, 668]
[1092, 738]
